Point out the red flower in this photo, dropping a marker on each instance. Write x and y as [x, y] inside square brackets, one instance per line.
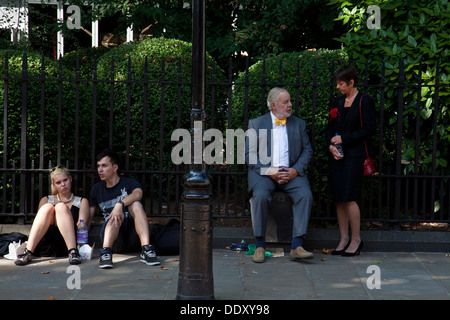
[334, 113]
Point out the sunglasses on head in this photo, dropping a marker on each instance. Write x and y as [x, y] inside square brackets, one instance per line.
[57, 167]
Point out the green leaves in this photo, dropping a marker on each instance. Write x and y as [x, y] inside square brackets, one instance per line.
[163, 101]
[40, 112]
[415, 32]
[412, 41]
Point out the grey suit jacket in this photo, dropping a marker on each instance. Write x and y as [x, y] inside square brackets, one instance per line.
[300, 150]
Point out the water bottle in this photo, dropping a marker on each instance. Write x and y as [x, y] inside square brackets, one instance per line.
[339, 147]
[82, 233]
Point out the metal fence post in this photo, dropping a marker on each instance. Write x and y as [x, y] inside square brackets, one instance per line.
[23, 140]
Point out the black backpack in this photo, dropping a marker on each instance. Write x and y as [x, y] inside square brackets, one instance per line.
[7, 238]
[166, 238]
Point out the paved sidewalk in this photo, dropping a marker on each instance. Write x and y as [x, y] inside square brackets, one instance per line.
[404, 276]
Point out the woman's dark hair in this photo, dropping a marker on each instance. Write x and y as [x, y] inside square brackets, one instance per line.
[346, 73]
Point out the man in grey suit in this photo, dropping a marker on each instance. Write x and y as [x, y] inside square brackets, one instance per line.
[277, 157]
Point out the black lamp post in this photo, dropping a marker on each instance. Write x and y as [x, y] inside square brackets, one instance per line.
[195, 278]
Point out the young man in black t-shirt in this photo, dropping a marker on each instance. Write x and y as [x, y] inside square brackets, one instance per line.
[119, 200]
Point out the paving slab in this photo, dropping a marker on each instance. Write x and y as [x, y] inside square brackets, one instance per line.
[369, 276]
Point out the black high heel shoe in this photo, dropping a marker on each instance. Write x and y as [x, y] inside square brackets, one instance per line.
[356, 253]
[340, 252]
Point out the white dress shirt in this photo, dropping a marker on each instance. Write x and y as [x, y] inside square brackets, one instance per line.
[280, 146]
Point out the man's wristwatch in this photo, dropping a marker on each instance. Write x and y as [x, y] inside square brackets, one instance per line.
[123, 204]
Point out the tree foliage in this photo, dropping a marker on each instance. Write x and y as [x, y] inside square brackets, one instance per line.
[239, 28]
[414, 33]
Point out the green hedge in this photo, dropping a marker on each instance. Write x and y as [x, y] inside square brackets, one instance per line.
[172, 52]
[34, 107]
[161, 113]
[86, 60]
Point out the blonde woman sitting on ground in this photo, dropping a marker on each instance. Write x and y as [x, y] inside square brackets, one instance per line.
[54, 227]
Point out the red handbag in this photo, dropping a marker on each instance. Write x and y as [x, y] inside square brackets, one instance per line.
[369, 166]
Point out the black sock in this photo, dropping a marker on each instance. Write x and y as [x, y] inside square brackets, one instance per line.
[260, 242]
[296, 242]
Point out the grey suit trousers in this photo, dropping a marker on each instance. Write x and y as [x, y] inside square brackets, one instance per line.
[299, 191]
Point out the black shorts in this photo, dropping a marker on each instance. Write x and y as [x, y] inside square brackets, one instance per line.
[127, 240]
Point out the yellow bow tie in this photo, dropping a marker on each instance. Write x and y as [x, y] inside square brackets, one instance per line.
[277, 122]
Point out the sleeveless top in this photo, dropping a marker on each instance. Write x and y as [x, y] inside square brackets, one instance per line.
[52, 243]
[75, 209]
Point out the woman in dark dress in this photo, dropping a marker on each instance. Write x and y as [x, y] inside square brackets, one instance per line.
[346, 168]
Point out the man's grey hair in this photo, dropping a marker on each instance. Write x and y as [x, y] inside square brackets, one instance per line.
[273, 95]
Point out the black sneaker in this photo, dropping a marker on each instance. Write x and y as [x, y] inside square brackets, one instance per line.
[24, 258]
[105, 259]
[148, 255]
[74, 257]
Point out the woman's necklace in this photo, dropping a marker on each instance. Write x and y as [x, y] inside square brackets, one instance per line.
[353, 97]
[66, 201]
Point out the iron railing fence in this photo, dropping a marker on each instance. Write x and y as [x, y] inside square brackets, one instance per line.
[58, 117]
